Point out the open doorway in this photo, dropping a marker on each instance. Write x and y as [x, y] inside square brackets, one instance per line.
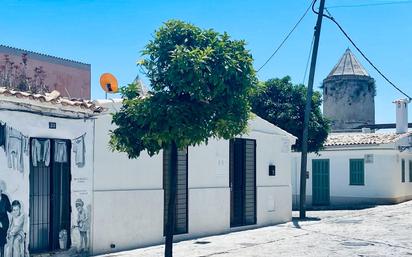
[50, 208]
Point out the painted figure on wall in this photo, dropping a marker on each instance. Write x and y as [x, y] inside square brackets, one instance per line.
[15, 234]
[82, 224]
[5, 208]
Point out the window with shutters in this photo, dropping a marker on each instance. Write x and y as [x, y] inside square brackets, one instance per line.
[242, 165]
[181, 211]
[357, 172]
[410, 171]
[403, 170]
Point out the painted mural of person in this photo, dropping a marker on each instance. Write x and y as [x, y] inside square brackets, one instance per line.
[15, 234]
[5, 207]
[82, 224]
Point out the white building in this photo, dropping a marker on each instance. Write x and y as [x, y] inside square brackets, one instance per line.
[209, 202]
[108, 202]
[358, 168]
[47, 186]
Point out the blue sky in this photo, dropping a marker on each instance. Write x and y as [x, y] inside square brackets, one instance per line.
[110, 35]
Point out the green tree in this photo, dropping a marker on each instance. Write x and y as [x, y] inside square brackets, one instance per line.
[201, 82]
[283, 104]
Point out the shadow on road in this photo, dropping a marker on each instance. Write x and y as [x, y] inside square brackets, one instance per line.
[296, 220]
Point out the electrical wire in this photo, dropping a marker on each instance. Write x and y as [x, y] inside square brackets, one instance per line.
[370, 4]
[307, 62]
[329, 16]
[287, 36]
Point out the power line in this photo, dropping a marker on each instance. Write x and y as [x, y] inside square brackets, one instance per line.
[307, 62]
[287, 36]
[329, 16]
[370, 4]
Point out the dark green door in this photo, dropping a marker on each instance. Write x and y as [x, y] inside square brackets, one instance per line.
[320, 182]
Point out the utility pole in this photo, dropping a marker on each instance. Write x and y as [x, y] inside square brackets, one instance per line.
[304, 158]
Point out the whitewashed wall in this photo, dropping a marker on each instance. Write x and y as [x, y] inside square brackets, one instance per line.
[35, 125]
[273, 192]
[382, 177]
[402, 191]
[128, 194]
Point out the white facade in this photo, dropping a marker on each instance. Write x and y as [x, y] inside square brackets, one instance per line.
[382, 173]
[35, 124]
[124, 198]
[128, 194]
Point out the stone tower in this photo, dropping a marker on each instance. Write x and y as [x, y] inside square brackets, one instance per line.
[348, 93]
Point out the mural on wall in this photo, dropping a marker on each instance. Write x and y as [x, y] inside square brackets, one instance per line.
[81, 197]
[25, 161]
[13, 224]
[15, 234]
[79, 149]
[12, 229]
[83, 224]
[17, 157]
[5, 208]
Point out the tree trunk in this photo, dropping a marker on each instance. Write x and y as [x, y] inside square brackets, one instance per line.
[171, 205]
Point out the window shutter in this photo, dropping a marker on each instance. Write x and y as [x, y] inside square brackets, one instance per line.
[181, 193]
[181, 210]
[403, 170]
[357, 172]
[410, 171]
[250, 181]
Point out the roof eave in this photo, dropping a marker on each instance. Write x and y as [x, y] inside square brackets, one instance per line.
[45, 108]
[386, 146]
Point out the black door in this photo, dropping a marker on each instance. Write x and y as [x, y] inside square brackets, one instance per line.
[49, 200]
[242, 165]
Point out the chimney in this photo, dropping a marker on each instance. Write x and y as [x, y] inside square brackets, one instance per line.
[401, 115]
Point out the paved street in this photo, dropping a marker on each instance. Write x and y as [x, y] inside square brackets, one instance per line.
[379, 231]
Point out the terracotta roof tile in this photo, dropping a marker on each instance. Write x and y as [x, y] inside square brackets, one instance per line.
[342, 139]
[55, 99]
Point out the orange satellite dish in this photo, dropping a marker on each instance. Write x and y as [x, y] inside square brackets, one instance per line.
[109, 83]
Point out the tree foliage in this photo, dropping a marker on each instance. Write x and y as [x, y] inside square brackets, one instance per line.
[200, 82]
[283, 104]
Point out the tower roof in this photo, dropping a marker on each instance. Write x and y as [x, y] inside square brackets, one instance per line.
[348, 65]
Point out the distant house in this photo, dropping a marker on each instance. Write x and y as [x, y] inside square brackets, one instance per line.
[70, 78]
[356, 165]
[57, 164]
[358, 168]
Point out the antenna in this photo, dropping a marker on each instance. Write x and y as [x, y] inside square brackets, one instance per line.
[108, 82]
[68, 94]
